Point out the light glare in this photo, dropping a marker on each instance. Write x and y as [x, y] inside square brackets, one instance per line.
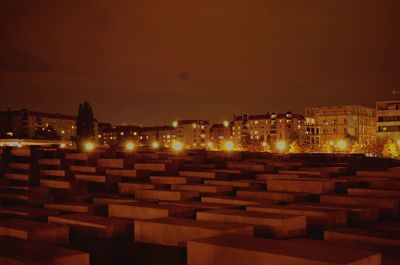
[177, 146]
[130, 146]
[229, 145]
[342, 144]
[89, 146]
[281, 145]
[155, 145]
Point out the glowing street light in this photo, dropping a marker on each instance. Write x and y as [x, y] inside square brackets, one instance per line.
[155, 145]
[228, 145]
[177, 146]
[281, 145]
[63, 145]
[226, 124]
[342, 144]
[89, 146]
[129, 146]
[175, 124]
[209, 144]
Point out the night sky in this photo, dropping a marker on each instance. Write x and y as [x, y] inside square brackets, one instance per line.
[154, 61]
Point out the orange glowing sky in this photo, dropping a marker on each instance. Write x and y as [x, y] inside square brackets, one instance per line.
[154, 61]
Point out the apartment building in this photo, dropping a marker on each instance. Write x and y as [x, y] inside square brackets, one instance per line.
[119, 135]
[25, 123]
[388, 119]
[270, 127]
[329, 124]
[193, 134]
[163, 135]
[220, 133]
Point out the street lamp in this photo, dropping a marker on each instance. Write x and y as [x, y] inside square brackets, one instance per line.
[155, 145]
[129, 146]
[228, 145]
[281, 145]
[177, 146]
[342, 144]
[89, 146]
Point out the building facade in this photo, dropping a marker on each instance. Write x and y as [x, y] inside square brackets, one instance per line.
[388, 119]
[119, 135]
[330, 124]
[162, 135]
[270, 127]
[194, 134]
[31, 124]
[220, 133]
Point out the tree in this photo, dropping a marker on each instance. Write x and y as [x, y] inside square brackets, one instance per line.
[350, 137]
[266, 147]
[390, 149]
[327, 147]
[375, 147]
[84, 123]
[295, 147]
[358, 148]
[294, 136]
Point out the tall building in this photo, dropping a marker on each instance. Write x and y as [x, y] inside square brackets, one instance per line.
[30, 124]
[329, 124]
[270, 127]
[163, 135]
[388, 119]
[193, 133]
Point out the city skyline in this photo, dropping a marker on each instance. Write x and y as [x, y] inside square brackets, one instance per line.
[137, 122]
[157, 62]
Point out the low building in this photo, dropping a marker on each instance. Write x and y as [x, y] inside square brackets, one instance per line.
[119, 135]
[33, 124]
[270, 127]
[388, 119]
[220, 133]
[330, 124]
[162, 135]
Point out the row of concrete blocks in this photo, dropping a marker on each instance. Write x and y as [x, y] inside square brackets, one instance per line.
[235, 238]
